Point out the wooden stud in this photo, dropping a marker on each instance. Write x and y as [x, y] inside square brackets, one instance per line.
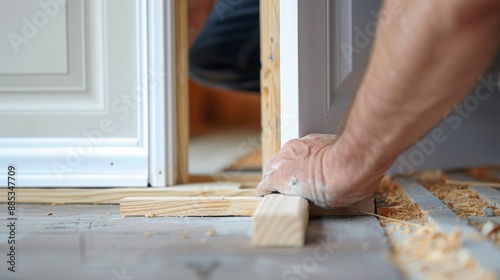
[182, 89]
[280, 221]
[270, 77]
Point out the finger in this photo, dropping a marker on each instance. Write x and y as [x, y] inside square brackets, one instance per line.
[267, 185]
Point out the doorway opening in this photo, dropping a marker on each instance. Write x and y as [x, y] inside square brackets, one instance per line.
[225, 122]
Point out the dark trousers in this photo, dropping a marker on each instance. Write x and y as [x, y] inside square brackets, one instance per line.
[226, 54]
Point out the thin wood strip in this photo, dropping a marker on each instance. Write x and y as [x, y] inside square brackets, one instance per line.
[188, 206]
[484, 252]
[280, 221]
[113, 195]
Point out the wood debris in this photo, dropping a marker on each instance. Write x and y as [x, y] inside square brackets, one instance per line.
[211, 232]
[396, 205]
[437, 255]
[489, 229]
[49, 214]
[149, 215]
[184, 236]
[463, 201]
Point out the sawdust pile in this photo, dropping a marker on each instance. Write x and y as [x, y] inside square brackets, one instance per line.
[461, 200]
[394, 204]
[437, 255]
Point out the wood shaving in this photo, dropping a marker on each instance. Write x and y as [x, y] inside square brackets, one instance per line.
[108, 214]
[203, 240]
[184, 236]
[49, 214]
[149, 215]
[147, 234]
[99, 217]
[211, 232]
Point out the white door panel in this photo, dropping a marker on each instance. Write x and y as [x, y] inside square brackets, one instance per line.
[41, 36]
[76, 78]
[104, 54]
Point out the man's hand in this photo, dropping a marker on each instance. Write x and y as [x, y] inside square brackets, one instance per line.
[313, 167]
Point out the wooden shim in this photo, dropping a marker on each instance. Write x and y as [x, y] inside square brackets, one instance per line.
[188, 206]
[484, 252]
[270, 77]
[280, 221]
[211, 206]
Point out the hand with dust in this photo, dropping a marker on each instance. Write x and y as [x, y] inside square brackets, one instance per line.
[312, 167]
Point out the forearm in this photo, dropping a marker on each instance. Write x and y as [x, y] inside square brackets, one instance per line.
[424, 61]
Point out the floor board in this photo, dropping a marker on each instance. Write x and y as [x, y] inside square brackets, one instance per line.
[94, 242]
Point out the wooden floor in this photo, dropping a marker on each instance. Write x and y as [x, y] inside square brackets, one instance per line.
[429, 229]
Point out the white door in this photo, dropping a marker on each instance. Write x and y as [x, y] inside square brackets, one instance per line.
[81, 84]
[325, 45]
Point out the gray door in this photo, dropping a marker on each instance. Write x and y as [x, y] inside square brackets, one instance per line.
[325, 46]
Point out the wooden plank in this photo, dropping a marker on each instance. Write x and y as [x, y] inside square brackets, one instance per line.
[270, 77]
[484, 252]
[173, 206]
[113, 195]
[182, 89]
[188, 206]
[280, 221]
